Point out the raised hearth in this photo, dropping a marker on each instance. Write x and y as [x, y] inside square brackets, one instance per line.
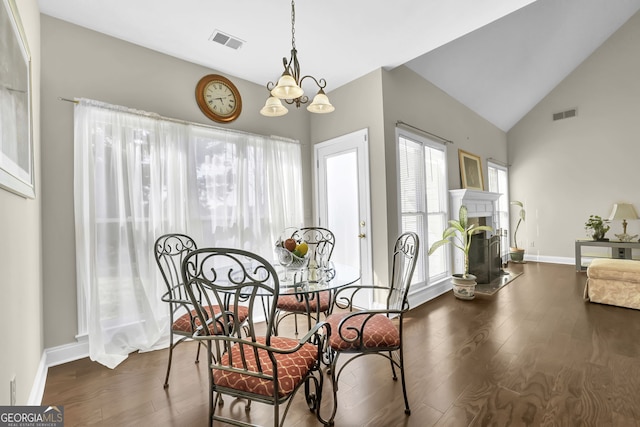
[497, 283]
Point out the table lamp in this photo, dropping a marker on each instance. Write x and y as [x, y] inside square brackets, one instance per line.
[623, 211]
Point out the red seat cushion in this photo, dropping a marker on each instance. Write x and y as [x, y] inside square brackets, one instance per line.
[292, 368]
[379, 332]
[291, 303]
[183, 323]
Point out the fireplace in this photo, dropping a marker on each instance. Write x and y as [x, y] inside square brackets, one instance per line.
[485, 259]
[481, 207]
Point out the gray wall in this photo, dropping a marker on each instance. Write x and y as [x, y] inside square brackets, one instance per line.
[77, 62]
[566, 170]
[377, 101]
[359, 106]
[20, 255]
[411, 99]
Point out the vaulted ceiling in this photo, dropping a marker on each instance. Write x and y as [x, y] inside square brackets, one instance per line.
[498, 57]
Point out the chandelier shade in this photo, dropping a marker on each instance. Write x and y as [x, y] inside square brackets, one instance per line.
[320, 104]
[273, 108]
[289, 86]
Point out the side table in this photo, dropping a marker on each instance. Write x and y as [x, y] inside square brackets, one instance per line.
[621, 250]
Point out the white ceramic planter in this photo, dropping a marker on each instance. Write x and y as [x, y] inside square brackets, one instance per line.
[464, 287]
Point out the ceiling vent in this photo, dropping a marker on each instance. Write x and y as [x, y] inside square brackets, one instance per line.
[564, 115]
[226, 40]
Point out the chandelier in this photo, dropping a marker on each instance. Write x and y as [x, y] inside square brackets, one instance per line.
[289, 87]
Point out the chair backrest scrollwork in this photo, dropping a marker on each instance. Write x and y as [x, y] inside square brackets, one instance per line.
[224, 276]
[170, 251]
[404, 259]
[320, 241]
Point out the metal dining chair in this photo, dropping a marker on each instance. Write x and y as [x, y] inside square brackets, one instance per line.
[321, 242]
[170, 250]
[258, 367]
[379, 331]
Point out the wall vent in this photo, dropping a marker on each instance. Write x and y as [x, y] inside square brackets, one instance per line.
[226, 40]
[564, 115]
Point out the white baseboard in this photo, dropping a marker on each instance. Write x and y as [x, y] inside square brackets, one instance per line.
[550, 259]
[67, 352]
[52, 357]
[37, 389]
[425, 294]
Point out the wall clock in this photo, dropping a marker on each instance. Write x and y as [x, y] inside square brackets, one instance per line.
[218, 98]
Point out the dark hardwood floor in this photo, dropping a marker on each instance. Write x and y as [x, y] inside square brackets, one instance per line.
[533, 354]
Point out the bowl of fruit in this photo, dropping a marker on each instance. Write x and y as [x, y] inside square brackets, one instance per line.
[291, 253]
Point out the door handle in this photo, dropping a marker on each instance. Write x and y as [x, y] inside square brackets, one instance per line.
[362, 235]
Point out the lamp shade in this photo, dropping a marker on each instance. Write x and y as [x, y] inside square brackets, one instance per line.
[273, 108]
[623, 211]
[287, 88]
[320, 104]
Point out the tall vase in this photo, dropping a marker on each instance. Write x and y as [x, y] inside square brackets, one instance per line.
[464, 287]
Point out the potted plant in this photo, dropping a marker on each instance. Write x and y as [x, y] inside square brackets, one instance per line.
[459, 234]
[596, 227]
[515, 252]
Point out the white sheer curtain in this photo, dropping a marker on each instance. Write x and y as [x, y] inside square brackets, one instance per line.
[137, 176]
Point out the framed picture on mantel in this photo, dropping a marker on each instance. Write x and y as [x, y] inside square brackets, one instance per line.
[470, 171]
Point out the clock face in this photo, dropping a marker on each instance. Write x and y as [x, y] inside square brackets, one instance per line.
[218, 98]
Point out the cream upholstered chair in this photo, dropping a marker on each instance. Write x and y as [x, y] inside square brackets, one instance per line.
[379, 332]
[320, 242]
[170, 251]
[259, 367]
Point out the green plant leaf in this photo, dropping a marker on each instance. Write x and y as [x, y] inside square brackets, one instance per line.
[522, 217]
[463, 216]
[455, 226]
[483, 228]
[437, 244]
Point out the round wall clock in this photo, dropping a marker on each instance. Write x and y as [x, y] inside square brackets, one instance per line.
[218, 98]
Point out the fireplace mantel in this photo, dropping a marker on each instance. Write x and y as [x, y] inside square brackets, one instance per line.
[478, 203]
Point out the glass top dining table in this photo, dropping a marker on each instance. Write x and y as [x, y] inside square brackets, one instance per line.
[305, 280]
[306, 284]
[301, 281]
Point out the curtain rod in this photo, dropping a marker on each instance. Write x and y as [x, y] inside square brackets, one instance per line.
[401, 123]
[184, 122]
[500, 162]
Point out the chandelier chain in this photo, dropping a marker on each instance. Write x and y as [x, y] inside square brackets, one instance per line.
[293, 24]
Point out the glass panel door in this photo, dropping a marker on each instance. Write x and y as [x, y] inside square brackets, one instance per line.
[343, 203]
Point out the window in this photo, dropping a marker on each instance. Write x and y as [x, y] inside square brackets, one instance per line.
[248, 189]
[499, 183]
[423, 201]
[138, 176]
